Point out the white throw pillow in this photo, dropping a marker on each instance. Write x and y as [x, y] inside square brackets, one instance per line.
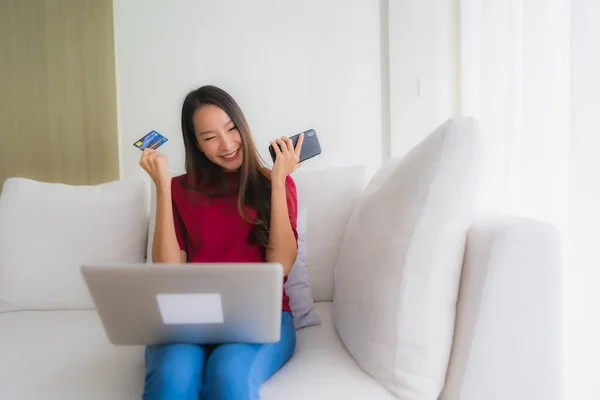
[48, 230]
[397, 278]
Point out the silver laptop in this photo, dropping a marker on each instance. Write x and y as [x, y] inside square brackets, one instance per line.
[142, 304]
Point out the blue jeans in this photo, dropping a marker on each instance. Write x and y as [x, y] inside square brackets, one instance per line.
[226, 371]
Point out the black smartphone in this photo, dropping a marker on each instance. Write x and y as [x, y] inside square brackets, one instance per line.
[310, 146]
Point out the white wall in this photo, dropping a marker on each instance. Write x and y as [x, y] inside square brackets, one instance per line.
[423, 56]
[290, 65]
[585, 201]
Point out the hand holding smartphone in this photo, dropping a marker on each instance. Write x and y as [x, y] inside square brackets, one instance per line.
[310, 147]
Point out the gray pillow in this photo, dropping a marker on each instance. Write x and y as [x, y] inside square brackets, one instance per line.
[297, 286]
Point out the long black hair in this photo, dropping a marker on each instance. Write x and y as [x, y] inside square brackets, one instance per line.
[204, 175]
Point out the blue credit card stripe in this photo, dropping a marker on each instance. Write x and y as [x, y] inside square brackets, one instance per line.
[149, 139]
[158, 143]
[155, 144]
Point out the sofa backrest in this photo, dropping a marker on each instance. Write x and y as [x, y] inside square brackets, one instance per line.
[48, 230]
[329, 195]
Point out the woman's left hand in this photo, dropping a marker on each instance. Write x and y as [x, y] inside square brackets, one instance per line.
[286, 157]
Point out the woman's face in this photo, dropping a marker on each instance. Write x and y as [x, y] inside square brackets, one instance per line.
[218, 137]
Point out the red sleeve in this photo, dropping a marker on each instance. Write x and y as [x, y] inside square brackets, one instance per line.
[180, 230]
[292, 204]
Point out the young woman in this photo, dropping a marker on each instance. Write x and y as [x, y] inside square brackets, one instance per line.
[227, 208]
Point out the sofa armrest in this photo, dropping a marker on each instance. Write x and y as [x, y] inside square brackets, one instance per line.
[508, 336]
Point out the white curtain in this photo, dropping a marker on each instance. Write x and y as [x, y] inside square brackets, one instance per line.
[514, 77]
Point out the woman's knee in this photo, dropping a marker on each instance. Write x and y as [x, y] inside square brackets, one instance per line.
[236, 371]
[174, 370]
[228, 373]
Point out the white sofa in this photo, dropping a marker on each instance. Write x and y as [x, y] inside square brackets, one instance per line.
[507, 337]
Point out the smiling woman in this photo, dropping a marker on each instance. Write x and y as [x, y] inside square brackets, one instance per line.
[228, 207]
[223, 144]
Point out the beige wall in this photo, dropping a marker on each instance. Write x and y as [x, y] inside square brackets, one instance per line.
[58, 118]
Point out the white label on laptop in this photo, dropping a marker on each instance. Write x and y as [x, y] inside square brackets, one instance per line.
[192, 308]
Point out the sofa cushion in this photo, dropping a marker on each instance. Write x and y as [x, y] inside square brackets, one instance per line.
[399, 265]
[297, 286]
[322, 369]
[48, 230]
[330, 195]
[65, 355]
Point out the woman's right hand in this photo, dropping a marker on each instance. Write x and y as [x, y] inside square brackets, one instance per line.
[157, 166]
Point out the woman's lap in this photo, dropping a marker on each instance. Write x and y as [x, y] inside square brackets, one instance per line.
[228, 371]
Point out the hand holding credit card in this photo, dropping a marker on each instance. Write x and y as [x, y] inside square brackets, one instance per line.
[152, 140]
[153, 162]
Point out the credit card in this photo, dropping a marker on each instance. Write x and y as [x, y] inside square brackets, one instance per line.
[152, 140]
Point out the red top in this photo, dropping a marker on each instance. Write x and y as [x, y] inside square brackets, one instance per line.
[212, 230]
